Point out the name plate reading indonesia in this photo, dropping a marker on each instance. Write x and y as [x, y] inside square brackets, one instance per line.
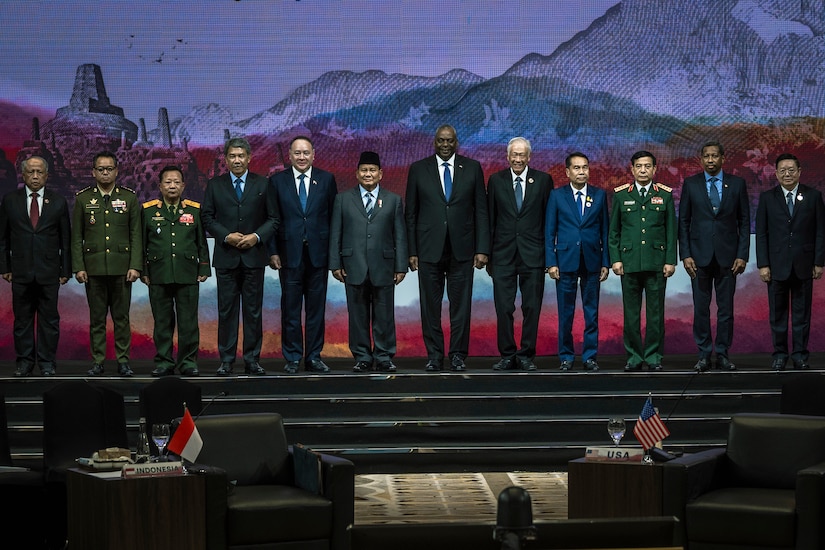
[613, 454]
[153, 469]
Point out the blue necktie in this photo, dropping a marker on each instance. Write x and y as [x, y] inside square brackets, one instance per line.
[448, 181]
[369, 206]
[517, 190]
[715, 200]
[302, 192]
[579, 204]
[790, 203]
[238, 190]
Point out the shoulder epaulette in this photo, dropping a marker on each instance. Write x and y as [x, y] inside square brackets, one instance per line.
[132, 191]
[82, 191]
[193, 204]
[151, 203]
[664, 187]
[621, 187]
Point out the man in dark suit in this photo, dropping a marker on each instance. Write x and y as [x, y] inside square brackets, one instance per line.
[368, 252]
[177, 259]
[304, 195]
[242, 214]
[790, 253]
[35, 257]
[576, 236]
[516, 202]
[642, 243]
[448, 234]
[107, 256]
[714, 244]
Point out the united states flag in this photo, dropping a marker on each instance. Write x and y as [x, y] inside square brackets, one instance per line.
[649, 428]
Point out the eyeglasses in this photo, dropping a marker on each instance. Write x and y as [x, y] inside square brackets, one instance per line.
[105, 169]
[789, 171]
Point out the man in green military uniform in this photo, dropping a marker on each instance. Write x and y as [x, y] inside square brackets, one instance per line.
[642, 244]
[177, 259]
[107, 255]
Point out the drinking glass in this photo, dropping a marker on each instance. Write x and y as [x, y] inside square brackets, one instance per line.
[616, 429]
[160, 436]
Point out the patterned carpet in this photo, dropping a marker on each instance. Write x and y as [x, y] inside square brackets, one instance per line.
[451, 497]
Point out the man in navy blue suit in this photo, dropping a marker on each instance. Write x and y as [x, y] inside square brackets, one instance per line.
[300, 250]
[577, 256]
[517, 198]
[790, 254]
[714, 243]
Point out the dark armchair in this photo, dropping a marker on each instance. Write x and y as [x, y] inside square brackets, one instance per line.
[264, 506]
[766, 489]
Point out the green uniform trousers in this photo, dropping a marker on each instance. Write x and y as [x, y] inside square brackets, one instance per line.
[652, 284]
[171, 302]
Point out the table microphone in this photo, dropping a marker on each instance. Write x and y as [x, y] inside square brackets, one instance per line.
[214, 398]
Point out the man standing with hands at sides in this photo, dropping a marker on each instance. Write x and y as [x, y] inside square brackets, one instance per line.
[299, 250]
[790, 253]
[576, 236]
[240, 211]
[368, 253]
[35, 257]
[107, 256]
[448, 232]
[177, 259]
[714, 244]
[516, 202]
[642, 243]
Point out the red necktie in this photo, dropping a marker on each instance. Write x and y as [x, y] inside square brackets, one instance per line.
[34, 211]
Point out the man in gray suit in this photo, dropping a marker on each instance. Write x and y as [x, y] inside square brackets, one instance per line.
[368, 253]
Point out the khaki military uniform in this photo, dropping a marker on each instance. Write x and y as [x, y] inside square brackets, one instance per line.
[176, 255]
[643, 236]
[106, 243]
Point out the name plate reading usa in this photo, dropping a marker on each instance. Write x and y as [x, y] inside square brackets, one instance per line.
[613, 454]
[153, 469]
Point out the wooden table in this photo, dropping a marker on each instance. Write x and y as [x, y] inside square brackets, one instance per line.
[106, 511]
[613, 489]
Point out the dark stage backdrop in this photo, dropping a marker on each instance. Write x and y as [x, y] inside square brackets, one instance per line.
[165, 83]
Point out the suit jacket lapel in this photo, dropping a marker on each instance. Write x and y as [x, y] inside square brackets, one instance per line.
[435, 174]
[358, 202]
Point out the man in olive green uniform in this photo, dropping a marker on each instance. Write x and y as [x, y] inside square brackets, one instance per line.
[107, 256]
[642, 243]
[177, 259]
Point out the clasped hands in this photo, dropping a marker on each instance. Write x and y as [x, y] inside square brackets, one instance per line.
[241, 241]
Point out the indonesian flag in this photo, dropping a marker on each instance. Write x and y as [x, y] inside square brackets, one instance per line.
[186, 442]
[649, 428]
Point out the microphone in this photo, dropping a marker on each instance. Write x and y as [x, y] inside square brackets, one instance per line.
[660, 455]
[214, 398]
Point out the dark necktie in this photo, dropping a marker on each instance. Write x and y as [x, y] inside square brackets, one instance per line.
[34, 210]
[448, 181]
[790, 202]
[643, 192]
[172, 209]
[715, 199]
[238, 190]
[579, 204]
[302, 192]
[369, 206]
[517, 190]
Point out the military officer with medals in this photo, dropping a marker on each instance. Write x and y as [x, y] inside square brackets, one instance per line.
[107, 256]
[177, 259]
[642, 244]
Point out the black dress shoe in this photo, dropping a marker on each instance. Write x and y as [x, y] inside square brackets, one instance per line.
[527, 365]
[316, 365]
[457, 364]
[505, 363]
[723, 363]
[591, 365]
[362, 366]
[123, 369]
[225, 369]
[778, 364]
[96, 370]
[387, 366]
[292, 367]
[163, 371]
[702, 365]
[655, 367]
[254, 368]
[433, 366]
[633, 367]
[24, 370]
[801, 365]
[47, 371]
[566, 366]
[190, 371]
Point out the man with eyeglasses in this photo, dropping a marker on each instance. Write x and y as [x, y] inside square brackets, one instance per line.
[107, 256]
[714, 244]
[790, 254]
